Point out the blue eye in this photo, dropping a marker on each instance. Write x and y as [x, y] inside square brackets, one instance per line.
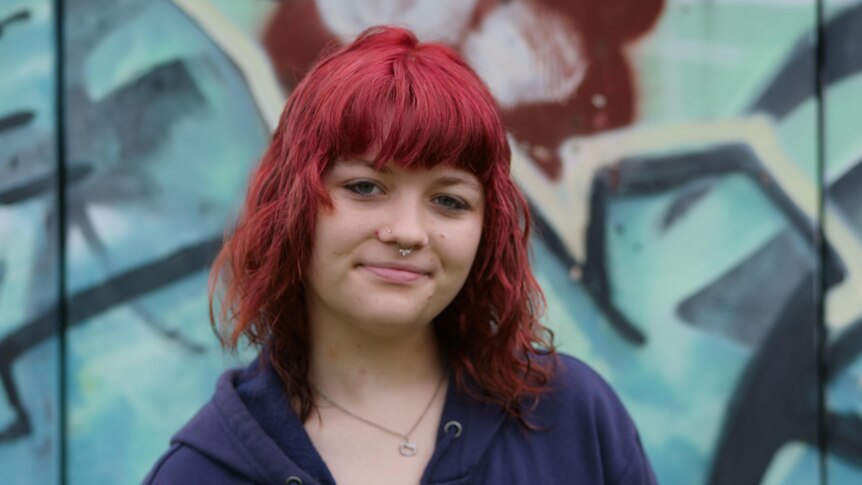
[363, 187]
[450, 203]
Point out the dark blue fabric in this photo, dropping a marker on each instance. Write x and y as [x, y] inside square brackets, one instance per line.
[247, 434]
[259, 390]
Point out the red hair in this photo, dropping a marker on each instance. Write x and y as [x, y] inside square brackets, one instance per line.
[420, 105]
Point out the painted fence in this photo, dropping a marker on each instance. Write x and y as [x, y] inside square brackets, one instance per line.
[695, 168]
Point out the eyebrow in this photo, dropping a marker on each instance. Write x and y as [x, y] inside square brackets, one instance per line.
[370, 164]
[449, 180]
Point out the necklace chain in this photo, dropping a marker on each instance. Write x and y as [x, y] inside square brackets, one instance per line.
[407, 447]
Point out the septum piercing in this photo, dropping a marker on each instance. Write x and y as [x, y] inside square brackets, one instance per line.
[401, 250]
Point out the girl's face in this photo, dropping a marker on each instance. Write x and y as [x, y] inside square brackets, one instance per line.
[397, 247]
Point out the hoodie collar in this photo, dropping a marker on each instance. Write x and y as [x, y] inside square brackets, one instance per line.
[225, 431]
[467, 428]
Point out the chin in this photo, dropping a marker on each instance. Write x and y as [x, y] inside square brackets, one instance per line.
[392, 322]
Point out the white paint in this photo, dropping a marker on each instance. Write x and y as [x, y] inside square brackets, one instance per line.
[527, 54]
[431, 20]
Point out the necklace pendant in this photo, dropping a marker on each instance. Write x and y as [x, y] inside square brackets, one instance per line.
[407, 448]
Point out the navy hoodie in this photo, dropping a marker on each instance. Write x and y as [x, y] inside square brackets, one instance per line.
[248, 433]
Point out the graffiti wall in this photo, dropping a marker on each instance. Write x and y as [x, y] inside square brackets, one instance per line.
[694, 166]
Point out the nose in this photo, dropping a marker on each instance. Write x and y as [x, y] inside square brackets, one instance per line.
[405, 227]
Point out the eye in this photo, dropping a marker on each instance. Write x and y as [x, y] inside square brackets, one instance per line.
[364, 187]
[451, 203]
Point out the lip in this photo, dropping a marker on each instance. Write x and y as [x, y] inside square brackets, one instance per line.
[395, 273]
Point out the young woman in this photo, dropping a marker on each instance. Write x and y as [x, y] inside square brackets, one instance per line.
[381, 266]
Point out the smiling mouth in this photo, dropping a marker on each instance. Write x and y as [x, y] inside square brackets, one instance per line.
[394, 275]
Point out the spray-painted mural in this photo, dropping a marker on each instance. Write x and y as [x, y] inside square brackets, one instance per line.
[694, 170]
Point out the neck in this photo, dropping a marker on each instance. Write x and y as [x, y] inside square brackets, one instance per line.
[349, 363]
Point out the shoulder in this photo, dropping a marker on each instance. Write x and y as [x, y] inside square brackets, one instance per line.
[212, 446]
[183, 464]
[575, 386]
[575, 383]
[581, 408]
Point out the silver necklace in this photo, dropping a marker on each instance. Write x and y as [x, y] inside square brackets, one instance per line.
[407, 447]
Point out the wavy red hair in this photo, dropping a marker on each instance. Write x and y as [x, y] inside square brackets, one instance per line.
[419, 105]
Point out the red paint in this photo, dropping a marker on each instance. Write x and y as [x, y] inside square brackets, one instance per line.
[294, 40]
[296, 35]
[605, 28]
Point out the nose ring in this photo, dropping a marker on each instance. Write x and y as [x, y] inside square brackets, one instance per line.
[404, 251]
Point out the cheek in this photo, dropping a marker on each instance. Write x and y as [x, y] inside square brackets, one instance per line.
[460, 246]
[336, 233]
[323, 232]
